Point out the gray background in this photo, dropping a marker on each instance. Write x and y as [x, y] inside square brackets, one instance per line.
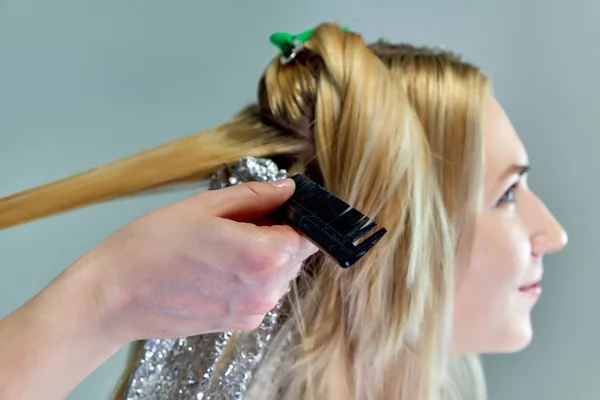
[86, 82]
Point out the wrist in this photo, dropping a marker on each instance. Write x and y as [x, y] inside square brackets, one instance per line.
[80, 293]
[56, 341]
[103, 300]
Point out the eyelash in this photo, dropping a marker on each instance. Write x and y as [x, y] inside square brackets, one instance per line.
[511, 192]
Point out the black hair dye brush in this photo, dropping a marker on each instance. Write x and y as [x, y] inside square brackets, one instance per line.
[327, 221]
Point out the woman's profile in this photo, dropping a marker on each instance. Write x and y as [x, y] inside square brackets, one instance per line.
[412, 137]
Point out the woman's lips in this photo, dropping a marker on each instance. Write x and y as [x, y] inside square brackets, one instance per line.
[533, 289]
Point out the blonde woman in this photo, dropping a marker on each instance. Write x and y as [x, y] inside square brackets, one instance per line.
[412, 137]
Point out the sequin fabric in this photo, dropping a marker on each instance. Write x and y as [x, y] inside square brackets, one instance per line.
[197, 367]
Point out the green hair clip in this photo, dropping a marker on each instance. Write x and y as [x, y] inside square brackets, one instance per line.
[290, 45]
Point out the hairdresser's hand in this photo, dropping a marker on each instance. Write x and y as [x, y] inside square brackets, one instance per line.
[196, 266]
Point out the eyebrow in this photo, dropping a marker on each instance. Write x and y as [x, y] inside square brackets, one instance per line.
[517, 169]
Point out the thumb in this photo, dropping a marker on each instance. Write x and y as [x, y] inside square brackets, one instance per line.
[247, 201]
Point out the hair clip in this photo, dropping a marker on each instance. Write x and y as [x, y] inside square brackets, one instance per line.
[327, 221]
[291, 45]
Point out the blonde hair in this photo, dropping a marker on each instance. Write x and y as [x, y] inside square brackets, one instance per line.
[395, 131]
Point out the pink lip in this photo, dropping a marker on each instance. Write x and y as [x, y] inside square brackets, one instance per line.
[533, 289]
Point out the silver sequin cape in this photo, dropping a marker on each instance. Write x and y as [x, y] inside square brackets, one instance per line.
[184, 368]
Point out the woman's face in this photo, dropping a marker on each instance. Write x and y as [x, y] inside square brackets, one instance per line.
[514, 230]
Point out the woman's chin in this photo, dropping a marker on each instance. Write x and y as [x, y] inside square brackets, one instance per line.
[517, 337]
[512, 338]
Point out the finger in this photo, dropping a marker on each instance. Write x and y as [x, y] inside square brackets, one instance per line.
[247, 201]
[288, 238]
[282, 239]
[267, 220]
[262, 248]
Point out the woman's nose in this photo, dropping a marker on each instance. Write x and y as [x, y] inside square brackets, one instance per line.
[550, 236]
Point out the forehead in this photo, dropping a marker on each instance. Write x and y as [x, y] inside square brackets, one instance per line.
[502, 146]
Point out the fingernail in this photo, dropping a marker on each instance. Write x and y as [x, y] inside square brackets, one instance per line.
[282, 183]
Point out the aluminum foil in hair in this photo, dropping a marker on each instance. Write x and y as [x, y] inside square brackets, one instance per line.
[247, 169]
[197, 367]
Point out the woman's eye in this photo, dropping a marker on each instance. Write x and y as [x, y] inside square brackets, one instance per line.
[509, 195]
